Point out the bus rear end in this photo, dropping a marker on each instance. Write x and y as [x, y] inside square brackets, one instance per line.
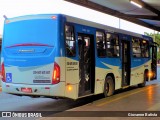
[29, 56]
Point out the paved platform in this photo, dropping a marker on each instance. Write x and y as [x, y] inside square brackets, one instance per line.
[144, 100]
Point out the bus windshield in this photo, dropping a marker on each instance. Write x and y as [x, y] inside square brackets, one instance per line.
[31, 32]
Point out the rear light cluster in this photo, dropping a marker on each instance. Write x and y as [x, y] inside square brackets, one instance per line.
[56, 74]
[3, 73]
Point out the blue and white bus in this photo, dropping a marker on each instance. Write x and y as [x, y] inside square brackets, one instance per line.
[56, 55]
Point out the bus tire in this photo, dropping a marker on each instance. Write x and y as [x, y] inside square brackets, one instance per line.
[108, 86]
[144, 80]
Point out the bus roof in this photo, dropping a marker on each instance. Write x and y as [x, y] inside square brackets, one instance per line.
[104, 27]
[80, 21]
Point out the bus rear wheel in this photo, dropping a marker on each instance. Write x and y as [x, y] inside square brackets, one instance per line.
[108, 86]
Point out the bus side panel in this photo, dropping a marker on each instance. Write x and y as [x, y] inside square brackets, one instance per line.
[100, 78]
[137, 71]
[72, 78]
[69, 67]
[105, 67]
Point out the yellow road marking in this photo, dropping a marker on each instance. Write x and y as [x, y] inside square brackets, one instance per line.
[0, 89]
[124, 96]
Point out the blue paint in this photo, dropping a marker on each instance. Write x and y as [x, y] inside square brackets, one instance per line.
[110, 61]
[43, 29]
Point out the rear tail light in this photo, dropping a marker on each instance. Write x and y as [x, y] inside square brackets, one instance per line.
[3, 73]
[56, 74]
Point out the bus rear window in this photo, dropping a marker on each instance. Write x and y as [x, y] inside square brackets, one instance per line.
[37, 31]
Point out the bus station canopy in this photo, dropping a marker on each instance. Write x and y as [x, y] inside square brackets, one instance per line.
[148, 15]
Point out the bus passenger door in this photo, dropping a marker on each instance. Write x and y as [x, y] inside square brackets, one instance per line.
[126, 62]
[154, 62]
[86, 64]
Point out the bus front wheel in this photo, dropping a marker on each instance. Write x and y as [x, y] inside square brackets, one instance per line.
[108, 86]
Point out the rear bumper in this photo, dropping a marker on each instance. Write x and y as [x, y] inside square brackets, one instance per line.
[57, 90]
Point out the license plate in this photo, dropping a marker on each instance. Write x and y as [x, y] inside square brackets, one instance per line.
[26, 90]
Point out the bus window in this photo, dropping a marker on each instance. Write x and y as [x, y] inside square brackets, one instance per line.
[70, 41]
[136, 47]
[101, 48]
[112, 45]
[145, 48]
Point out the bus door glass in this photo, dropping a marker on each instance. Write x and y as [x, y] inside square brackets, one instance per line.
[86, 64]
[126, 62]
[154, 61]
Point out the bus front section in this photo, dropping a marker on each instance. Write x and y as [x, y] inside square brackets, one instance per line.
[30, 57]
